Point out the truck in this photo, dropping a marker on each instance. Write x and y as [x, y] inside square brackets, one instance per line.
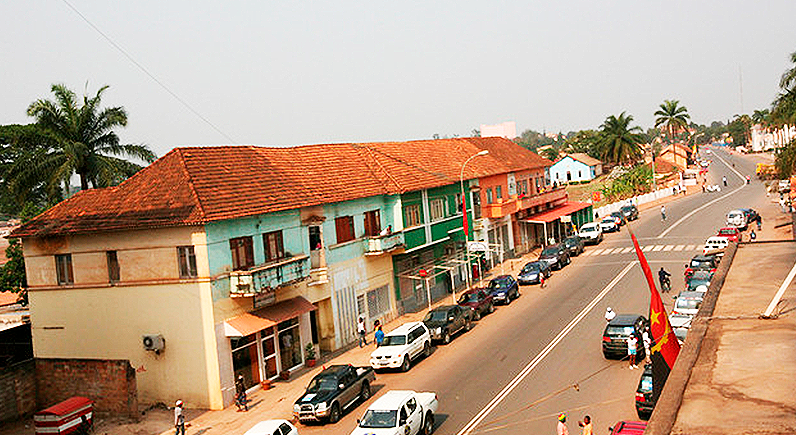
[399, 412]
[333, 391]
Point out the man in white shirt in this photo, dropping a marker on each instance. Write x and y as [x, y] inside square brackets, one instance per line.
[631, 351]
[609, 314]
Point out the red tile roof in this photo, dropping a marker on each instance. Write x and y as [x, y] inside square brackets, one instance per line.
[196, 185]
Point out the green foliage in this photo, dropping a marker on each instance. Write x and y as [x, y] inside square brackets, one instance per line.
[637, 181]
[619, 143]
[12, 274]
[550, 153]
[740, 130]
[17, 142]
[785, 160]
[584, 141]
[672, 117]
[533, 140]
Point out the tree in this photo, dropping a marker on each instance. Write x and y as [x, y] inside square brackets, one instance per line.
[788, 80]
[584, 141]
[672, 117]
[12, 274]
[785, 160]
[550, 153]
[85, 143]
[761, 116]
[17, 142]
[739, 129]
[619, 142]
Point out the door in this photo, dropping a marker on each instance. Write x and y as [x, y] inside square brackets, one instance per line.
[415, 420]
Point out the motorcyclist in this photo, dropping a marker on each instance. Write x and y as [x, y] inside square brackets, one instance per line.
[663, 278]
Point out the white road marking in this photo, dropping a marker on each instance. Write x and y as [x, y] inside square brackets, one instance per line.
[531, 365]
[597, 252]
[702, 207]
[780, 292]
[679, 247]
[608, 251]
[626, 250]
[690, 247]
[657, 248]
[647, 248]
[668, 248]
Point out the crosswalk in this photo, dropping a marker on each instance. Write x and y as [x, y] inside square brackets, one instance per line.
[646, 248]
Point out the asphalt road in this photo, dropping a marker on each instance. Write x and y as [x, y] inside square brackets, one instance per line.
[515, 370]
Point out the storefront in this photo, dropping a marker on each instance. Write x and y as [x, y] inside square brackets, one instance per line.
[556, 224]
[270, 340]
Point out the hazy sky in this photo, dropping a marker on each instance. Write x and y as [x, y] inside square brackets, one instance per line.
[300, 72]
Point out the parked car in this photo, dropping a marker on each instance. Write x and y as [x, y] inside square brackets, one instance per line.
[619, 330]
[479, 300]
[644, 401]
[503, 289]
[783, 186]
[556, 256]
[591, 233]
[629, 212]
[619, 217]
[751, 215]
[333, 391]
[680, 324]
[688, 302]
[609, 225]
[399, 413]
[445, 321]
[401, 346]
[532, 272]
[699, 281]
[701, 262]
[732, 234]
[628, 428]
[273, 427]
[574, 245]
[715, 245]
[737, 218]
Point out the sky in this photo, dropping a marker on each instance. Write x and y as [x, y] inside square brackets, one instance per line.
[303, 72]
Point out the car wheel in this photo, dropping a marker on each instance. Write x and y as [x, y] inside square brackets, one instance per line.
[445, 339]
[428, 424]
[364, 395]
[427, 348]
[477, 315]
[406, 364]
[334, 414]
[569, 260]
[491, 308]
[468, 326]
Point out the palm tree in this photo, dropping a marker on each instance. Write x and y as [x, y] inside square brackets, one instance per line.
[84, 142]
[761, 116]
[619, 142]
[788, 80]
[672, 116]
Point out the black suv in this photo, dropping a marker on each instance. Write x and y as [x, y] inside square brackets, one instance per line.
[556, 256]
[644, 401]
[619, 330]
[629, 212]
[444, 321]
[574, 245]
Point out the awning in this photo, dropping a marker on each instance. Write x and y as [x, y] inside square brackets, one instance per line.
[249, 323]
[551, 215]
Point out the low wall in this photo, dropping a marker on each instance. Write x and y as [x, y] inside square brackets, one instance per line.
[17, 390]
[636, 200]
[111, 384]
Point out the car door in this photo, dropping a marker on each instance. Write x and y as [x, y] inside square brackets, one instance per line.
[415, 419]
[349, 392]
[458, 316]
[414, 342]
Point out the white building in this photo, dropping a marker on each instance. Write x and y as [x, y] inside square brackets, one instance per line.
[506, 129]
[768, 139]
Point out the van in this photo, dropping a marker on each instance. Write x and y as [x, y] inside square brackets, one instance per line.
[715, 246]
[737, 219]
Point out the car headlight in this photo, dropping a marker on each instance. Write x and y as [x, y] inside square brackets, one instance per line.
[296, 408]
[438, 331]
[321, 406]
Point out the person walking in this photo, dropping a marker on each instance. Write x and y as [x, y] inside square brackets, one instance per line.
[631, 351]
[241, 401]
[752, 235]
[363, 339]
[759, 221]
[378, 337]
[724, 180]
[609, 314]
[561, 427]
[663, 213]
[586, 425]
[179, 418]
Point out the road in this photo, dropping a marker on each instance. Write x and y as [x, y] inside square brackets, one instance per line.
[516, 369]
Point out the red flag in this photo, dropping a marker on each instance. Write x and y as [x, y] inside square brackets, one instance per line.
[464, 217]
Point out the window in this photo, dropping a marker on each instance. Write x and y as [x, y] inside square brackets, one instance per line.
[113, 266]
[437, 209]
[315, 238]
[63, 269]
[187, 261]
[458, 203]
[345, 228]
[489, 198]
[378, 301]
[273, 246]
[242, 253]
[499, 192]
[372, 223]
[412, 215]
[476, 199]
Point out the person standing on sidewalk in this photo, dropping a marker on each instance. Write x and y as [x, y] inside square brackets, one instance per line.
[631, 351]
[586, 425]
[241, 400]
[363, 338]
[561, 427]
[179, 418]
[378, 337]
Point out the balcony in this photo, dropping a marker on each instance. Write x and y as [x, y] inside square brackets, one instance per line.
[269, 276]
[378, 245]
[512, 205]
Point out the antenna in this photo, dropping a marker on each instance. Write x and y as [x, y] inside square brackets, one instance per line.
[740, 80]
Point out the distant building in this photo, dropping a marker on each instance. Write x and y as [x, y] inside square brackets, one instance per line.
[506, 130]
[677, 154]
[765, 139]
[575, 167]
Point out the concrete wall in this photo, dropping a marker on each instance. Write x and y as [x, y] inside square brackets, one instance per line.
[17, 391]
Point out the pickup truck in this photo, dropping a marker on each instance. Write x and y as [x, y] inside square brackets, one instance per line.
[399, 412]
[333, 391]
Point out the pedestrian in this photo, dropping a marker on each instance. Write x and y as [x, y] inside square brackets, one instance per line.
[378, 337]
[724, 179]
[759, 223]
[561, 427]
[631, 351]
[179, 419]
[609, 314]
[703, 187]
[241, 401]
[586, 425]
[663, 213]
[363, 339]
[752, 235]
[542, 283]
[645, 338]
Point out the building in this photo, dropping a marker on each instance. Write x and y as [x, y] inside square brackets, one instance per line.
[507, 130]
[215, 262]
[767, 139]
[676, 154]
[575, 167]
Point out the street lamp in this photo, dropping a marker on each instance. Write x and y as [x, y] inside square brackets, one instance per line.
[464, 217]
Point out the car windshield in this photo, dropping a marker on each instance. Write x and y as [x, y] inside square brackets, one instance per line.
[627, 209]
[680, 333]
[619, 330]
[727, 232]
[469, 297]
[530, 268]
[394, 340]
[608, 220]
[700, 264]
[498, 284]
[688, 304]
[571, 241]
[646, 384]
[550, 252]
[436, 316]
[378, 419]
[588, 229]
[324, 383]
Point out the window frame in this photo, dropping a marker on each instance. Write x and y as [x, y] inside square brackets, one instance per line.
[372, 220]
[280, 248]
[413, 215]
[499, 192]
[114, 271]
[344, 229]
[188, 254]
[64, 273]
[437, 209]
[489, 198]
[247, 247]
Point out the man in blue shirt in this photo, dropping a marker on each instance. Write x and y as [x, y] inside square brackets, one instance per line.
[379, 336]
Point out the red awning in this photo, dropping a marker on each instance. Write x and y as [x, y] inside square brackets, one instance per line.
[267, 317]
[551, 215]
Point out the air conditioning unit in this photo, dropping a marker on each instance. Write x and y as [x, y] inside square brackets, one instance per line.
[155, 343]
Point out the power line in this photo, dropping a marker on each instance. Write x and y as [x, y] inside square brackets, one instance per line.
[141, 67]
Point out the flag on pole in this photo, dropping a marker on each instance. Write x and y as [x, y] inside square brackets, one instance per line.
[665, 346]
[464, 218]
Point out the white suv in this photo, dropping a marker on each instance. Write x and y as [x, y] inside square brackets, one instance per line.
[591, 233]
[401, 346]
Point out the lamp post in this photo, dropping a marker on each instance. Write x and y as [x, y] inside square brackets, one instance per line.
[464, 217]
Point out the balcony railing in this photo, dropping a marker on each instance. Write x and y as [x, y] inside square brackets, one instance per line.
[380, 244]
[512, 205]
[269, 276]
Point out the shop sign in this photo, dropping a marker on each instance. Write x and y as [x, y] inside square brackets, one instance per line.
[475, 246]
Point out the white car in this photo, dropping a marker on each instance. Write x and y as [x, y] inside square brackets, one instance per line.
[609, 225]
[680, 324]
[737, 219]
[399, 413]
[401, 346]
[688, 303]
[591, 233]
[273, 427]
[715, 246]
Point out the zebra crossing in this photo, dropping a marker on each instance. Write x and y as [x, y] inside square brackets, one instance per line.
[646, 248]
